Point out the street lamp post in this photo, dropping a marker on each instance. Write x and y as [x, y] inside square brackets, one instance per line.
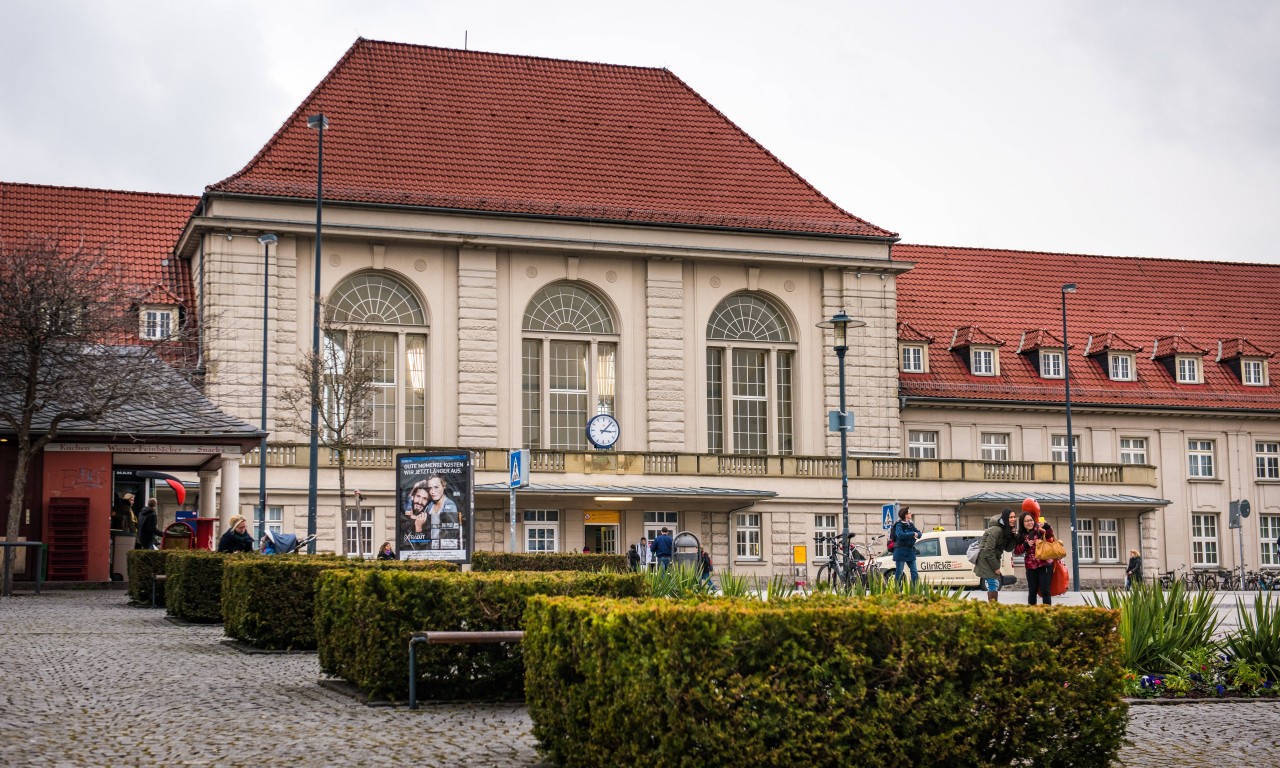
[839, 324]
[1071, 446]
[267, 241]
[320, 124]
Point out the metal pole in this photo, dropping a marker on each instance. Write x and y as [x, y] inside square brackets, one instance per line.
[260, 523]
[513, 519]
[1071, 452]
[320, 123]
[844, 460]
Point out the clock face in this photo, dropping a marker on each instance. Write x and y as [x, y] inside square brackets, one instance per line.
[602, 430]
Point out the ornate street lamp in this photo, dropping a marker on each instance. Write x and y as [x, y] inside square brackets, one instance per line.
[840, 324]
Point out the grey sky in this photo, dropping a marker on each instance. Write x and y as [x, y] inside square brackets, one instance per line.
[1148, 127]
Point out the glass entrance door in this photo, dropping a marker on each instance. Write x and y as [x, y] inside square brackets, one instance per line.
[602, 539]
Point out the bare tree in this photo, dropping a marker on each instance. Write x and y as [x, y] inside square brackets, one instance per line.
[70, 351]
[346, 374]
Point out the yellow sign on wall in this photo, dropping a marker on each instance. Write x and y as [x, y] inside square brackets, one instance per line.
[601, 517]
[800, 554]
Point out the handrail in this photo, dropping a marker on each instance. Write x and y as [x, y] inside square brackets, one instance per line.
[450, 638]
[39, 545]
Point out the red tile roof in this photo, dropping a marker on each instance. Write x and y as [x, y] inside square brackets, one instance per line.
[433, 127]
[138, 229]
[1123, 303]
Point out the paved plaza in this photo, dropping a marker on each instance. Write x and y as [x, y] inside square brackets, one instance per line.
[86, 680]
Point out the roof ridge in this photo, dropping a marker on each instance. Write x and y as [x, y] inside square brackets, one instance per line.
[29, 185]
[1161, 259]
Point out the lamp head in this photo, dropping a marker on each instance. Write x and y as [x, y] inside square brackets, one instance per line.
[268, 239]
[318, 122]
[1069, 288]
[840, 323]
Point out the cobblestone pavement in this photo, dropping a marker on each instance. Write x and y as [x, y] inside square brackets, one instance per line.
[86, 680]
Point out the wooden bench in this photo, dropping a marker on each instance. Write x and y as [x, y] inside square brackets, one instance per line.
[449, 638]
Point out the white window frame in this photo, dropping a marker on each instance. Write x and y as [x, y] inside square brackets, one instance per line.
[1085, 541]
[1200, 460]
[1268, 532]
[1058, 448]
[357, 534]
[1051, 364]
[994, 446]
[1253, 372]
[1266, 459]
[157, 323]
[1204, 540]
[922, 444]
[912, 358]
[1133, 450]
[983, 361]
[1188, 369]
[274, 521]
[749, 536]
[1108, 532]
[1120, 366]
[654, 522]
[824, 525]
[545, 524]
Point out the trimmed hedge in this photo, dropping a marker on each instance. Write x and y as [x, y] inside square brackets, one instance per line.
[364, 620]
[547, 561]
[269, 602]
[143, 565]
[194, 589]
[821, 682]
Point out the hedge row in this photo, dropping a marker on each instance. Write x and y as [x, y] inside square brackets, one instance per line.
[547, 561]
[822, 682]
[143, 565]
[193, 591]
[364, 620]
[269, 602]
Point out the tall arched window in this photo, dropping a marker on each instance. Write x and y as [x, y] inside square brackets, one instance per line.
[750, 362]
[569, 352]
[388, 326]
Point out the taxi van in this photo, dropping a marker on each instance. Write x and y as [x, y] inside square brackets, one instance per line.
[941, 558]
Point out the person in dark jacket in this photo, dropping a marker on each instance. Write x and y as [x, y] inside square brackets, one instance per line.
[148, 527]
[1133, 574]
[1039, 572]
[996, 540]
[904, 536]
[663, 547]
[386, 552]
[633, 558]
[236, 538]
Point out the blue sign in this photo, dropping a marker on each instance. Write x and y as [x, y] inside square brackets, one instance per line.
[888, 515]
[518, 463]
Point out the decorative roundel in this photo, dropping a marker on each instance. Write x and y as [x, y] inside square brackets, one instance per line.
[715, 282]
[335, 260]
[611, 276]
[789, 286]
[530, 271]
[420, 265]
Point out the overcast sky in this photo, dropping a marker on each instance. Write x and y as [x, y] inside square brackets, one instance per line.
[1144, 127]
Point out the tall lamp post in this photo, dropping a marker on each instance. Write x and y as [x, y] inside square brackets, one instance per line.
[267, 241]
[839, 324]
[320, 124]
[1071, 445]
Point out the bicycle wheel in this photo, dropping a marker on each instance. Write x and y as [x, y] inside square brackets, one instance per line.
[1210, 581]
[826, 577]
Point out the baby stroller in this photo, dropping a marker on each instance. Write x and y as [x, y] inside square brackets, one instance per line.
[284, 543]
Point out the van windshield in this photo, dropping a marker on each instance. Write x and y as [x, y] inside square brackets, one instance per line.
[959, 545]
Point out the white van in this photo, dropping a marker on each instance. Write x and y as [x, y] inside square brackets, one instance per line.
[941, 559]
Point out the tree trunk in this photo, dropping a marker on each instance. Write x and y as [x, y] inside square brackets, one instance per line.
[15, 515]
[342, 503]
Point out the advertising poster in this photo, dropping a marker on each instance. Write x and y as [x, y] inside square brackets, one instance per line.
[435, 504]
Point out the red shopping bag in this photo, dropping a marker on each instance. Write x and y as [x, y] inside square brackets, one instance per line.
[1061, 580]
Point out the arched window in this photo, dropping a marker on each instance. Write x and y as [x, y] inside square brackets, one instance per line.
[750, 363]
[569, 350]
[383, 325]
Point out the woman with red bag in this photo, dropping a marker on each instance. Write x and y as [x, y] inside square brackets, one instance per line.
[1039, 572]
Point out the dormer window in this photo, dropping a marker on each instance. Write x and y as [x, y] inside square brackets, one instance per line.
[157, 322]
[913, 358]
[982, 361]
[1120, 366]
[1050, 364]
[1188, 367]
[1253, 372]
[979, 350]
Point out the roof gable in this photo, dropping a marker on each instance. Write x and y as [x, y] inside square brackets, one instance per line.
[1230, 349]
[1033, 340]
[1102, 343]
[1174, 345]
[439, 128]
[971, 336]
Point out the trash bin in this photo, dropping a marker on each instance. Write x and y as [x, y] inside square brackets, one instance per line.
[685, 546]
[177, 536]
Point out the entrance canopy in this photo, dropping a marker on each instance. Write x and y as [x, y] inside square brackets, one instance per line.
[1107, 500]
[628, 497]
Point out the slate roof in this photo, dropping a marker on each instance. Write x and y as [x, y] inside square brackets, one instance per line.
[137, 229]
[433, 127]
[1122, 302]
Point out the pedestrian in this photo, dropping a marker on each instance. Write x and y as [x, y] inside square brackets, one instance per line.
[704, 567]
[996, 540]
[1133, 574]
[386, 552]
[904, 536]
[148, 527]
[236, 538]
[646, 555]
[663, 548]
[1039, 572]
[633, 558]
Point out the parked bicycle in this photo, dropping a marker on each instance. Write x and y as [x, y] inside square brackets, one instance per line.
[1199, 578]
[839, 572]
[1169, 578]
[1229, 580]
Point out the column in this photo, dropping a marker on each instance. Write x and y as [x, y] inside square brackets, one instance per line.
[230, 494]
[208, 495]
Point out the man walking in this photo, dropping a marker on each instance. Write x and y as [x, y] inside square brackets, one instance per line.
[662, 548]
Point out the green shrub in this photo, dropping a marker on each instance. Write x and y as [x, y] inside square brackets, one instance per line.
[1257, 642]
[547, 561]
[143, 565]
[364, 620]
[269, 602]
[193, 591]
[878, 681]
[1161, 627]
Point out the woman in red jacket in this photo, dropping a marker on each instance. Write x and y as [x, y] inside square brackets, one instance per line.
[1039, 572]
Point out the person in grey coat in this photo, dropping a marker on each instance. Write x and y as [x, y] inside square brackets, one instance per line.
[1000, 537]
